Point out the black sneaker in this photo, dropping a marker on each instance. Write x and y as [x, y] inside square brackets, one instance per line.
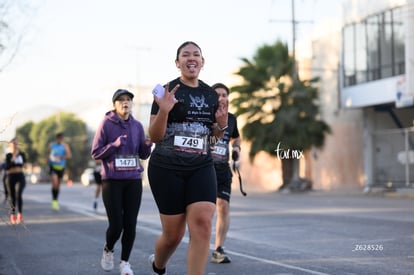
[220, 257]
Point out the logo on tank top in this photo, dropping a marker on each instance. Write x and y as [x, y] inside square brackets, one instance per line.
[198, 102]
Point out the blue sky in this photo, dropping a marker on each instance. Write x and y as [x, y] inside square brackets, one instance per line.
[82, 50]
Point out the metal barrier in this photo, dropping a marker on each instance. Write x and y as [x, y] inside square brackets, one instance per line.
[393, 160]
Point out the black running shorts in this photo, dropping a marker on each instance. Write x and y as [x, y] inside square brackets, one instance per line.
[224, 179]
[59, 173]
[174, 190]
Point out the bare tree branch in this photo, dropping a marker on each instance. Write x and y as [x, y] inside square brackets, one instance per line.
[13, 54]
[15, 18]
[7, 124]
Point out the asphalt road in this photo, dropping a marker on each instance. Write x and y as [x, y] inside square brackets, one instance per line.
[274, 233]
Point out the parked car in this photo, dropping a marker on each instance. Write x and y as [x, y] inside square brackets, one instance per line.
[35, 178]
[87, 177]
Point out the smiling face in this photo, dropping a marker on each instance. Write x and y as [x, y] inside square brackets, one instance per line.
[189, 61]
[123, 106]
[223, 97]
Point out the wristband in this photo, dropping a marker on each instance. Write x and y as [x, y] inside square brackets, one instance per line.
[222, 129]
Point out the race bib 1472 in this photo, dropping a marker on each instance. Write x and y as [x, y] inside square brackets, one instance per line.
[126, 162]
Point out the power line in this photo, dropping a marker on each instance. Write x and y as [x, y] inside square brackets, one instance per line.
[294, 22]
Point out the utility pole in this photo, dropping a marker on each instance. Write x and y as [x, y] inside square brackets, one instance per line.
[294, 23]
[295, 79]
[294, 71]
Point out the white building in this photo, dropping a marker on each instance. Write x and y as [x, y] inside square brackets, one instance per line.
[371, 109]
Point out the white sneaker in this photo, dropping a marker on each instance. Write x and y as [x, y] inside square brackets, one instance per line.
[125, 268]
[151, 260]
[107, 261]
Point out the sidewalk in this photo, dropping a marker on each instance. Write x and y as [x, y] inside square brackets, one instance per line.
[376, 192]
[400, 192]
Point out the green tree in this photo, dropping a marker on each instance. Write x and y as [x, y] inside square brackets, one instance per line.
[75, 135]
[278, 109]
[25, 142]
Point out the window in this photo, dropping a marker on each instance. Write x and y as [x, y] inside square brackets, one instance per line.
[398, 41]
[349, 57]
[385, 36]
[361, 52]
[374, 48]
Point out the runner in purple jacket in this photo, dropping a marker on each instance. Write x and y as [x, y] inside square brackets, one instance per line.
[120, 143]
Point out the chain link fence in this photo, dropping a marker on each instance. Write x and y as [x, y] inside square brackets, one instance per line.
[393, 160]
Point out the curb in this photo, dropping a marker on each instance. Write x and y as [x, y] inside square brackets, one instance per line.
[399, 195]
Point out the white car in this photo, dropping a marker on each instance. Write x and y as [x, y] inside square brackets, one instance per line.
[87, 177]
[35, 178]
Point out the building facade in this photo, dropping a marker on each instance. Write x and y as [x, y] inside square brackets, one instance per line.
[372, 113]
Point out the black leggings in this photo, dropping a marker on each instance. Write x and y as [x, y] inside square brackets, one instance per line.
[122, 200]
[16, 182]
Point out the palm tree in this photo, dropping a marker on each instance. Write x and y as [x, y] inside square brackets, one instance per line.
[282, 113]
